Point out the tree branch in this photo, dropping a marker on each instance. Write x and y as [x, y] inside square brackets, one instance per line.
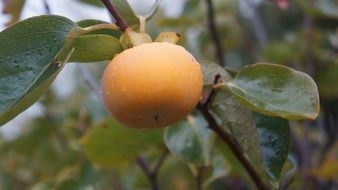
[199, 178]
[46, 6]
[152, 173]
[120, 22]
[308, 29]
[229, 140]
[214, 33]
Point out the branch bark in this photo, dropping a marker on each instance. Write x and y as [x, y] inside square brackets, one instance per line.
[120, 22]
[229, 140]
[214, 33]
[152, 173]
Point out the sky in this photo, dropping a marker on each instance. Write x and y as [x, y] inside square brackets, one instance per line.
[74, 10]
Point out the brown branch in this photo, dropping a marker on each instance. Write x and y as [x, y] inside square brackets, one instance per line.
[152, 174]
[229, 140]
[199, 178]
[120, 22]
[160, 161]
[208, 99]
[46, 6]
[214, 33]
[309, 58]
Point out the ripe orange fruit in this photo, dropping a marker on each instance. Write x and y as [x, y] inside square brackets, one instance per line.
[152, 85]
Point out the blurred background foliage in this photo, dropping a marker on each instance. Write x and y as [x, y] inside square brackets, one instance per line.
[303, 34]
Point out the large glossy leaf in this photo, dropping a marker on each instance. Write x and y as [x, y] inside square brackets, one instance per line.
[235, 118]
[274, 139]
[190, 140]
[111, 144]
[29, 61]
[127, 13]
[93, 48]
[239, 121]
[277, 91]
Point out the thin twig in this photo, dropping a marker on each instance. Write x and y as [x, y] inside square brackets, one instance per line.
[213, 91]
[144, 165]
[47, 8]
[308, 28]
[160, 161]
[90, 81]
[152, 173]
[229, 140]
[120, 22]
[199, 178]
[214, 33]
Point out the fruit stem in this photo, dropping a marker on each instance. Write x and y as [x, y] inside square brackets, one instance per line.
[228, 139]
[142, 23]
[120, 22]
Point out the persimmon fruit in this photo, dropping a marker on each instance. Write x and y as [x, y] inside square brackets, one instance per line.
[152, 85]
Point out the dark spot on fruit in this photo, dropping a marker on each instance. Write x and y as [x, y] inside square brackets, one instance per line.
[157, 118]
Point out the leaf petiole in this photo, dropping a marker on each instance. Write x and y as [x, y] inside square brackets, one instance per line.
[108, 26]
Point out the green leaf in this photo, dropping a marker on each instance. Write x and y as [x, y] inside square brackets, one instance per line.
[91, 22]
[127, 13]
[190, 140]
[221, 168]
[210, 70]
[274, 136]
[276, 90]
[235, 118]
[94, 48]
[28, 50]
[239, 121]
[111, 144]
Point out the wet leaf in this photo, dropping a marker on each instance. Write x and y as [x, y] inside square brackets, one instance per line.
[190, 140]
[274, 137]
[277, 91]
[235, 118]
[29, 61]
